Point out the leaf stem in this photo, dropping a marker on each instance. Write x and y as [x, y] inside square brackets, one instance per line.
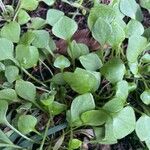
[45, 134]
[17, 10]
[32, 77]
[10, 145]
[15, 130]
[2, 6]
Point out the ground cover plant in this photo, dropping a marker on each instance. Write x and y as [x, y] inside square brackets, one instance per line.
[75, 77]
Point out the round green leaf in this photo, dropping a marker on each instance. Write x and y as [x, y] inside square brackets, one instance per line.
[11, 73]
[94, 117]
[7, 49]
[49, 2]
[29, 4]
[134, 27]
[23, 17]
[27, 56]
[107, 13]
[26, 124]
[82, 81]
[113, 70]
[74, 144]
[101, 31]
[50, 16]
[143, 128]
[91, 62]
[41, 39]
[117, 36]
[80, 105]
[124, 122]
[9, 95]
[25, 90]
[145, 4]
[11, 31]
[65, 28]
[136, 45]
[145, 97]
[61, 62]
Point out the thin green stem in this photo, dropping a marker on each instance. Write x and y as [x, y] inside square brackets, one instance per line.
[17, 10]
[32, 77]
[15, 130]
[10, 145]
[45, 134]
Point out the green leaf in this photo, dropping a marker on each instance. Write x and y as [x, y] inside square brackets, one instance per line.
[25, 90]
[136, 45]
[37, 23]
[122, 90]
[27, 56]
[11, 31]
[145, 4]
[2, 67]
[50, 16]
[61, 62]
[145, 97]
[23, 17]
[29, 4]
[107, 13]
[41, 39]
[143, 128]
[123, 122]
[130, 8]
[91, 62]
[113, 70]
[146, 58]
[69, 28]
[11, 73]
[27, 38]
[114, 105]
[26, 123]
[134, 68]
[80, 105]
[74, 144]
[58, 79]
[132, 86]
[9, 95]
[57, 108]
[94, 117]
[117, 35]
[49, 2]
[77, 49]
[3, 111]
[82, 81]
[7, 49]
[101, 31]
[134, 27]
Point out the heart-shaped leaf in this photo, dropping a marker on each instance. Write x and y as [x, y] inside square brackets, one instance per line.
[61, 62]
[82, 81]
[25, 90]
[11, 73]
[135, 47]
[145, 97]
[27, 123]
[50, 16]
[80, 105]
[143, 128]
[9, 95]
[69, 28]
[91, 61]
[7, 49]
[101, 31]
[29, 4]
[94, 117]
[11, 31]
[27, 56]
[113, 70]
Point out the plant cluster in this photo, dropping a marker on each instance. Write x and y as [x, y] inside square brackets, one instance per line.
[103, 95]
